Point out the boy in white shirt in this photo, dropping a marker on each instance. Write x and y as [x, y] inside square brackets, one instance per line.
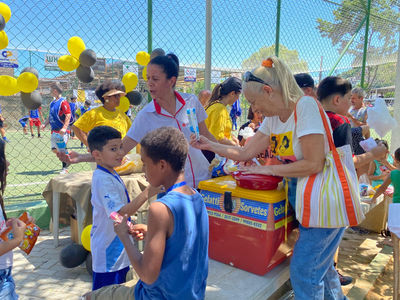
[110, 262]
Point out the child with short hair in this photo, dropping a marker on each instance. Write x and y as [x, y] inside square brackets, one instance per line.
[379, 169]
[393, 178]
[7, 285]
[174, 263]
[110, 263]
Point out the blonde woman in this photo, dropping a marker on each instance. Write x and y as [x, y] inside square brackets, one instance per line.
[301, 147]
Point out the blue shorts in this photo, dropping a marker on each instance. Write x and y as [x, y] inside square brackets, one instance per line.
[7, 285]
[108, 278]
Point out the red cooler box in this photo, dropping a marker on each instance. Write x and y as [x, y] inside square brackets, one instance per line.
[246, 226]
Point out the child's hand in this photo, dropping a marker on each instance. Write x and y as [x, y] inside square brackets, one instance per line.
[71, 158]
[122, 229]
[18, 228]
[140, 231]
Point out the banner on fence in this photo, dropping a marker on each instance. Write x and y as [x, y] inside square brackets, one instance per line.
[190, 75]
[9, 59]
[50, 62]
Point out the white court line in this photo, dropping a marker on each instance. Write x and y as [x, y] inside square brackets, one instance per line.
[26, 184]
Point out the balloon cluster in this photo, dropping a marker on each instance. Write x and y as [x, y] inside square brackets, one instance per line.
[80, 59]
[5, 15]
[26, 83]
[130, 81]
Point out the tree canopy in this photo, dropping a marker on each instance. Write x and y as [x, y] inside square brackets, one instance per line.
[382, 37]
[290, 57]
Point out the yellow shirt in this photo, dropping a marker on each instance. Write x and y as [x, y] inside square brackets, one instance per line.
[100, 116]
[218, 122]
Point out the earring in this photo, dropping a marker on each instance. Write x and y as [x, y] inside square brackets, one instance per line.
[106, 100]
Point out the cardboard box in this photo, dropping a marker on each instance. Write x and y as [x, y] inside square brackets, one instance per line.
[247, 227]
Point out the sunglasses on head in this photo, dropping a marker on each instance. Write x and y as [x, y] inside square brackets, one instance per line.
[248, 76]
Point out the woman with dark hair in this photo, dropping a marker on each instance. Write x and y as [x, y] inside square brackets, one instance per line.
[255, 119]
[168, 108]
[108, 114]
[218, 121]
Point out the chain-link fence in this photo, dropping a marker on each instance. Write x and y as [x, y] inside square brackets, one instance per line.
[315, 36]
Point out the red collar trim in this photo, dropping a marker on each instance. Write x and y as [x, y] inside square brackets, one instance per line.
[158, 107]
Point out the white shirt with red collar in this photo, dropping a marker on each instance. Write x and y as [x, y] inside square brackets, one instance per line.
[153, 116]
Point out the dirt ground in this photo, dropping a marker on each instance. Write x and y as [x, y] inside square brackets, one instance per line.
[357, 250]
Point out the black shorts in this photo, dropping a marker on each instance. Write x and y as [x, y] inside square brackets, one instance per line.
[1, 124]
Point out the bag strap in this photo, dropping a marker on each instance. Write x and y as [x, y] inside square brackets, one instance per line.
[342, 177]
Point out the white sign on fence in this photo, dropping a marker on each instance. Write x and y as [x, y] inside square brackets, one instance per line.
[190, 75]
[9, 58]
[50, 62]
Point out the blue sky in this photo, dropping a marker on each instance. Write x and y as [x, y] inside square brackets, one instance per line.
[118, 29]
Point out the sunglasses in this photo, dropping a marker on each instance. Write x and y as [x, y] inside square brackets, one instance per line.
[248, 76]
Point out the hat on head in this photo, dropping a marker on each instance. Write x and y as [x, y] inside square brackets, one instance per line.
[304, 80]
[114, 92]
[231, 84]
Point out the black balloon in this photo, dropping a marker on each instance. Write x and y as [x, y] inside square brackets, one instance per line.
[87, 58]
[134, 97]
[89, 264]
[73, 255]
[2, 23]
[156, 52]
[31, 70]
[85, 74]
[31, 100]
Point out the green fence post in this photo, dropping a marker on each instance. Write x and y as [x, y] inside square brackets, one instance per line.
[347, 47]
[278, 26]
[364, 61]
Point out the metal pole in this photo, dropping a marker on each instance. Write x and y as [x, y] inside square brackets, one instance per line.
[364, 61]
[278, 26]
[149, 26]
[207, 70]
[149, 33]
[345, 48]
[395, 140]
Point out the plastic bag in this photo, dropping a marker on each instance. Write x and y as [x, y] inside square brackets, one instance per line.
[32, 232]
[221, 166]
[131, 163]
[379, 118]
[246, 132]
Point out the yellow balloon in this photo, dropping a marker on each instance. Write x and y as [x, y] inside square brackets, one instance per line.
[5, 11]
[27, 82]
[144, 73]
[67, 63]
[76, 46]
[123, 104]
[142, 58]
[85, 237]
[8, 85]
[130, 81]
[3, 39]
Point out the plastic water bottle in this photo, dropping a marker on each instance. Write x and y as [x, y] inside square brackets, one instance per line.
[60, 143]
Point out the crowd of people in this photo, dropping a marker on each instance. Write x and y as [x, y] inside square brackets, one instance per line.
[285, 118]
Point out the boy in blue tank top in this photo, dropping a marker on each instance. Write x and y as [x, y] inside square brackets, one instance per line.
[110, 263]
[174, 263]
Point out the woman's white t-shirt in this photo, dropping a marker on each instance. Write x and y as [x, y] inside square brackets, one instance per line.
[285, 137]
[6, 259]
